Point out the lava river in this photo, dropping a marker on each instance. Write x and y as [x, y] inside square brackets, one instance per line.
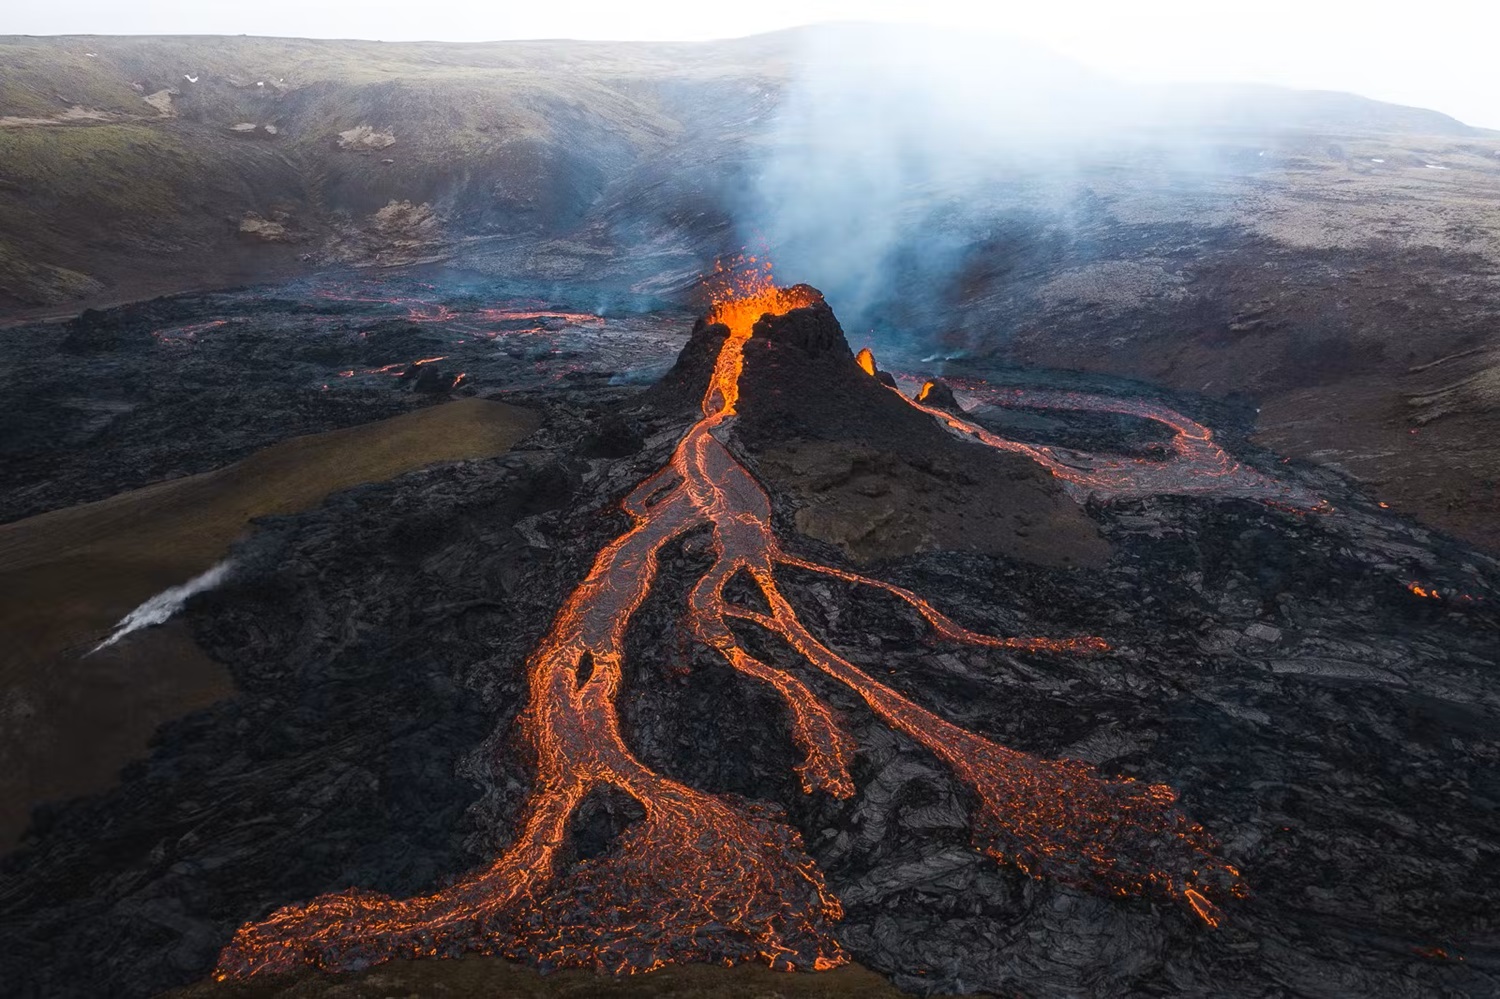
[701, 877]
[1195, 464]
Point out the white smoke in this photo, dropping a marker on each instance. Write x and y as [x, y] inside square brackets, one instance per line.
[895, 150]
[880, 123]
[165, 605]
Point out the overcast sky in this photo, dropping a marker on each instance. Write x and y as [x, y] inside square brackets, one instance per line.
[1439, 54]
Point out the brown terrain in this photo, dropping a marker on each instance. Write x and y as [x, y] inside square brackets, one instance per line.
[1355, 303]
[70, 720]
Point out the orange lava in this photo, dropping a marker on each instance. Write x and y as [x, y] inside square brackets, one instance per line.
[424, 310]
[866, 360]
[1433, 593]
[703, 877]
[1195, 464]
[430, 314]
[516, 315]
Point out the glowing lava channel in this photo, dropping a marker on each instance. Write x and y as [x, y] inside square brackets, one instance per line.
[1196, 466]
[700, 877]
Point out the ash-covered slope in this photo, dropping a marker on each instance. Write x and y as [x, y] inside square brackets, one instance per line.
[1332, 729]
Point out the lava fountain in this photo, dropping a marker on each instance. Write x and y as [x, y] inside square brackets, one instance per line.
[701, 877]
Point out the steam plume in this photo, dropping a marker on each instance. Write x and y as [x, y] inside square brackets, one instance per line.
[165, 605]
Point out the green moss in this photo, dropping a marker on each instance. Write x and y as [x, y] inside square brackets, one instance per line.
[40, 283]
[39, 81]
[114, 169]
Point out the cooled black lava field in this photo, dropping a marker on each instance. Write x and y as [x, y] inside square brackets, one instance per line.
[1309, 678]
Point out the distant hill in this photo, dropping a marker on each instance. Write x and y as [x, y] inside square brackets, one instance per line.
[132, 166]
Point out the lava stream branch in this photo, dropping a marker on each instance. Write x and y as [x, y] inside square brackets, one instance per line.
[703, 877]
[1197, 465]
[945, 626]
[1051, 818]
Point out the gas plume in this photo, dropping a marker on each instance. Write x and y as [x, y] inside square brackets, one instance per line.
[896, 151]
[165, 605]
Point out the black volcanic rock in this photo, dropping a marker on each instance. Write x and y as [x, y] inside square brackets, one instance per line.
[937, 394]
[813, 329]
[394, 341]
[868, 472]
[614, 436]
[1334, 731]
[681, 388]
[235, 371]
[428, 379]
[339, 761]
[800, 380]
[94, 331]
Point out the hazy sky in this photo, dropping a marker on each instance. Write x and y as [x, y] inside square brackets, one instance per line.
[1438, 54]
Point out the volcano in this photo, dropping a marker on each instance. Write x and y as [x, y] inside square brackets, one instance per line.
[697, 879]
[815, 664]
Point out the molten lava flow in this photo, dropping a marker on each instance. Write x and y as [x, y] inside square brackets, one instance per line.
[522, 315]
[424, 313]
[1433, 593]
[425, 310]
[866, 361]
[701, 877]
[1196, 466]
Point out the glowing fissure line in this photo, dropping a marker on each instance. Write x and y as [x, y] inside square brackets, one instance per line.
[1197, 465]
[700, 877]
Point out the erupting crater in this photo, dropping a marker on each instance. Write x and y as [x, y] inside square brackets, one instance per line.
[703, 877]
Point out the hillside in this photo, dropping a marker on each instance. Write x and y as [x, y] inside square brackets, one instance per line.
[69, 575]
[134, 166]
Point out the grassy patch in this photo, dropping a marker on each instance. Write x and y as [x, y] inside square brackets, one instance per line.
[116, 169]
[67, 576]
[38, 283]
[41, 80]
